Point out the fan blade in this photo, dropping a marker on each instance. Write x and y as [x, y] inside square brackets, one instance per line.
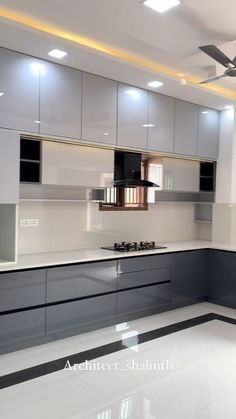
[212, 79]
[217, 55]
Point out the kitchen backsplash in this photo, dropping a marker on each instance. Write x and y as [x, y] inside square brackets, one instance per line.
[72, 225]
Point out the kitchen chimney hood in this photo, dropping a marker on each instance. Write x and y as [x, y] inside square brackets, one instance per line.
[128, 170]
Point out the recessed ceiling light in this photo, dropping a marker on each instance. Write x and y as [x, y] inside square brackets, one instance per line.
[161, 6]
[1, 93]
[37, 122]
[204, 112]
[57, 53]
[106, 133]
[228, 107]
[155, 83]
[148, 125]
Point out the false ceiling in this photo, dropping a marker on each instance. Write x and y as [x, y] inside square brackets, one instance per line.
[124, 40]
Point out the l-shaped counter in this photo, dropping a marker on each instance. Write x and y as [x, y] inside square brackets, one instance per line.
[57, 258]
[47, 296]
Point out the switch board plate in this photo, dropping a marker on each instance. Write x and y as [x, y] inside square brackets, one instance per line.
[29, 222]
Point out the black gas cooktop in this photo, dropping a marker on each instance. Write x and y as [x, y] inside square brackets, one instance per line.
[134, 246]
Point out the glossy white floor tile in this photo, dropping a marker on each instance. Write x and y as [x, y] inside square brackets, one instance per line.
[200, 385]
[18, 360]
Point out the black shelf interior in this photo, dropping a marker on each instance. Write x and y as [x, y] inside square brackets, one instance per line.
[30, 160]
[207, 176]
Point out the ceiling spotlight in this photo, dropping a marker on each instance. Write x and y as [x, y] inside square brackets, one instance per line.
[1, 93]
[161, 6]
[155, 83]
[57, 53]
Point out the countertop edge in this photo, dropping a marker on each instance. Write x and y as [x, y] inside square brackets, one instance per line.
[82, 256]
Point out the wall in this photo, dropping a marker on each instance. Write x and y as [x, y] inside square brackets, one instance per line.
[224, 209]
[65, 226]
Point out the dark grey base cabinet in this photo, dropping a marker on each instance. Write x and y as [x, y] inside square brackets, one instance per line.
[222, 278]
[88, 296]
[81, 314]
[22, 289]
[22, 326]
[82, 280]
[189, 276]
[143, 299]
[18, 290]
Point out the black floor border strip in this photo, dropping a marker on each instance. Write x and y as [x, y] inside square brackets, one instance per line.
[40, 370]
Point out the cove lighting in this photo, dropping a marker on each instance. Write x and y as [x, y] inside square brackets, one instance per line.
[161, 6]
[57, 53]
[155, 83]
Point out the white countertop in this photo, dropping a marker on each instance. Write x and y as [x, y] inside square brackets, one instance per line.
[38, 260]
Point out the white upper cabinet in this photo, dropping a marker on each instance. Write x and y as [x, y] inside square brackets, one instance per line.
[19, 91]
[9, 166]
[132, 117]
[186, 128]
[60, 100]
[208, 133]
[160, 123]
[76, 165]
[181, 175]
[99, 104]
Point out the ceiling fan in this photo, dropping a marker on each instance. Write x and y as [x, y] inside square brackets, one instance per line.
[221, 58]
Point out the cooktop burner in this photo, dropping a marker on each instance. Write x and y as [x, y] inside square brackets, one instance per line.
[134, 246]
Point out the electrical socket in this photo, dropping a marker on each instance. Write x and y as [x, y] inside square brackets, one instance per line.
[29, 222]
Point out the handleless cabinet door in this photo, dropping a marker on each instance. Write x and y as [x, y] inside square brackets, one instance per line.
[143, 263]
[81, 280]
[9, 166]
[22, 289]
[142, 299]
[132, 117]
[222, 284]
[19, 91]
[161, 123]
[186, 126]
[208, 133]
[99, 104]
[84, 314]
[60, 100]
[23, 326]
[189, 276]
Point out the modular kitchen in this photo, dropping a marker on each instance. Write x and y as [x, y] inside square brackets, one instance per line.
[117, 209]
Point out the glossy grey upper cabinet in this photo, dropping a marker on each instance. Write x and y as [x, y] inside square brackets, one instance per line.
[99, 104]
[208, 133]
[132, 117]
[60, 100]
[19, 91]
[186, 127]
[161, 122]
